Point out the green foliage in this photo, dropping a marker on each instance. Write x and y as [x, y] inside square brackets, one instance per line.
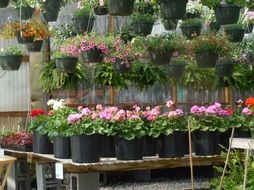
[127, 34]
[165, 125]
[62, 32]
[233, 179]
[85, 11]
[145, 7]
[216, 3]
[12, 50]
[51, 79]
[192, 22]
[239, 120]
[236, 26]
[197, 78]
[38, 122]
[129, 129]
[209, 123]
[142, 18]
[105, 76]
[146, 74]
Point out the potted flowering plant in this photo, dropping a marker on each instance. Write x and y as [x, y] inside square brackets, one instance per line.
[84, 130]
[25, 32]
[207, 48]
[171, 129]
[92, 47]
[194, 9]
[83, 18]
[173, 9]
[235, 32]
[143, 18]
[66, 57]
[41, 142]
[120, 7]
[227, 13]
[4, 3]
[207, 124]
[56, 128]
[120, 55]
[11, 57]
[128, 129]
[191, 27]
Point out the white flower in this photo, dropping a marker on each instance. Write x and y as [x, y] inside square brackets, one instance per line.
[101, 3]
[55, 105]
[50, 102]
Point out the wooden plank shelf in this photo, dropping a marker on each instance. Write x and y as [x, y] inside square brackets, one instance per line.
[243, 143]
[111, 164]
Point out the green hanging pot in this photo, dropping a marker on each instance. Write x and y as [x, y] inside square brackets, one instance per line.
[227, 14]
[25, 12]
[66, 64]
[120, 7]
[224, 68]
[4, 3]
[173, 9]
[191, 31]
[10, 62]
[142, 28]
[83, 24]
[235, 35]
[206, 59]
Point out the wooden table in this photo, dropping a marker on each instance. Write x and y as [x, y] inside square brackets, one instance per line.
[6, 162]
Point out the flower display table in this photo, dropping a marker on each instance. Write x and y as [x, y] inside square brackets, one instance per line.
[6, 163]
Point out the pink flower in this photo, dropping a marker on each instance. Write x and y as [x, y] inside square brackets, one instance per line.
[86, 111]
[169, 103]
[176, 54]
[113, 60]
[72, 118]
[99, 107]
[246, 111]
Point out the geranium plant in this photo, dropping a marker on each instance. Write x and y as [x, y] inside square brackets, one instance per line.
[38, 119]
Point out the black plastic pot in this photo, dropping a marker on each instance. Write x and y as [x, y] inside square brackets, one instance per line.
[120, 7]
[224, 68]
[227, 14]
[224, 139]
[41, 143]
[101, 10]
[206, 59]
[35, 46]
[175, 70]
[4, 3]
[170, 24]
[150, 146]
[51, 15]
[92, 56]
[240, 133]
[24, 40]
[10, 62]
[62, 147]
[142, 28]
[107, 146]
[191, 31]
[120, 67]
[173, 9]
[173, 145]
[83, 24]
[25, 13]
[206, 143]
[161, 57]
[235, 35]
[214, 26]
[128, 149]
[85, 148]
[66, 64]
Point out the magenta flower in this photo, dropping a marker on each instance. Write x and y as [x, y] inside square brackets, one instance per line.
[246, 111]
[73, 118]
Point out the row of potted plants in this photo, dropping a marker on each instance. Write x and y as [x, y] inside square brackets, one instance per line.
[76, 133]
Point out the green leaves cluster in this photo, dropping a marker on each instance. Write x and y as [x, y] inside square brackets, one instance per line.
[12, 50]
[165, 125]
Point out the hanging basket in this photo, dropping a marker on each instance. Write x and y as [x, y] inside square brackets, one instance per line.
[4, 3]
[235, 35]
[225, 68]
[83, 24]
[100, 10]
[191, 31]
[161, 57]
[66, 64]
[170, 24]
[142, 28]
[51, 15]
[227, 14]
[175, 70]
[92, 56]
[120, 7]
[25, 12]
[10, 62]
[206, 59]
[24, 39]
[35, 46]
[173, 9]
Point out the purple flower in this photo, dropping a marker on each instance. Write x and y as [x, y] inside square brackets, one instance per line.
[74, 118]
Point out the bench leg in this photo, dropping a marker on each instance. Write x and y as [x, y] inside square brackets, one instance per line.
[40, 177]
[84, 181]
[11, 181]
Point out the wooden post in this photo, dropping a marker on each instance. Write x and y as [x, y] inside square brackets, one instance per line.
[190, 155]
[174, 95]
[226, 95]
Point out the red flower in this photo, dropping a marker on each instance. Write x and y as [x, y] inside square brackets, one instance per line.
[51, 112]
[249, 101]
[37, 112]
[230, 111]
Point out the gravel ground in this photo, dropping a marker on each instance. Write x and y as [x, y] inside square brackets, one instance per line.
[159, 184]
